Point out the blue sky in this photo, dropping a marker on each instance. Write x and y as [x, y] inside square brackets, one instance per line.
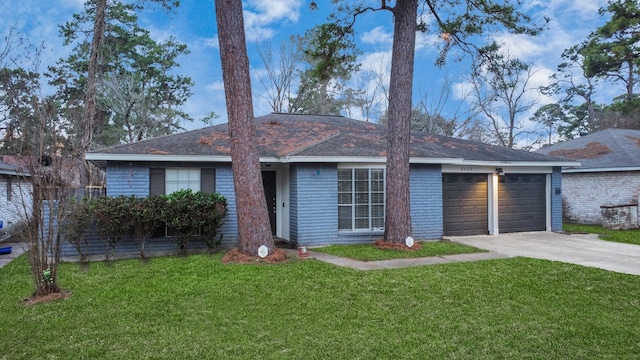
[274, 21]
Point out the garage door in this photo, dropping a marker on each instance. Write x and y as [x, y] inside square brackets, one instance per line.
[521, 203]
[464, 204]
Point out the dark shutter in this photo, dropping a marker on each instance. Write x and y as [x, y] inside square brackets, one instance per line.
[208, 180]
[156, 181]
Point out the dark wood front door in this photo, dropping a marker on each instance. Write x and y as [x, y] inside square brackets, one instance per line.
[269, 183]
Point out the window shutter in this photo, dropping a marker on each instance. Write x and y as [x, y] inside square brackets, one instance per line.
[208, 180]
[156, 181]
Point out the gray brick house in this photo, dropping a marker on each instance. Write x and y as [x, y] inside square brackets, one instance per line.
[609, 174]
[324, 179]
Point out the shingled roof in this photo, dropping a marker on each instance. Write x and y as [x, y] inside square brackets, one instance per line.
[8, 169]
[605, 150]
[294, 137]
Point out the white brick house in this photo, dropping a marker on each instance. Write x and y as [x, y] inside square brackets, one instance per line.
[609, 174]
[15, 197]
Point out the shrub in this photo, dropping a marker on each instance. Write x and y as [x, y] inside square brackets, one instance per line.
[76, 226]
[113, 220]
[188, 213]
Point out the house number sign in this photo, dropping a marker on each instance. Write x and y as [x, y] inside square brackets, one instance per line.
[466, 168]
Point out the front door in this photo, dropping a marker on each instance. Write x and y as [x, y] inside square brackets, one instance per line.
[269, 183]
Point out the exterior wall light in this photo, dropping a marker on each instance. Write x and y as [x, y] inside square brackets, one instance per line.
[499, 171]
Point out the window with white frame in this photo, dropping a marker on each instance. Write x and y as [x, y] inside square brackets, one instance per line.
[361, 199]
[177, 179]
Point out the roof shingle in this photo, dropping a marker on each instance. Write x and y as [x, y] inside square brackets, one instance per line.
[285, 135]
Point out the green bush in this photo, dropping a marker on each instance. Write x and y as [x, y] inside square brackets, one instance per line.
[146, 214]
[76, 226]
[113, 220]
[189, 213]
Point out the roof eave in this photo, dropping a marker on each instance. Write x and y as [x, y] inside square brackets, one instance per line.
[522, 163]
[588, 170]
[365, 159]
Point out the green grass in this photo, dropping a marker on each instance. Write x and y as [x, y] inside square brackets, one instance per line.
[623, 236]
[369, 252]
[196, 308]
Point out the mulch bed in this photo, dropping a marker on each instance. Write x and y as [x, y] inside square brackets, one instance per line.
[385, 245]
[235, 256]
[35, 300]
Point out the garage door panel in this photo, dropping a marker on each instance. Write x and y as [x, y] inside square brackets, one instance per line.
[522, 203]
[465, 204]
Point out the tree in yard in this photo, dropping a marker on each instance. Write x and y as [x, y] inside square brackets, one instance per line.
[112, 52]
[463, 20]
[45, 195]
[330, 52]
[612, 50]
[33, 141]
[281, 72]
[502, 92]
[254, 228]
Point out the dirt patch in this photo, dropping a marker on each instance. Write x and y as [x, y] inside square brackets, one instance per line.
[381, 244]
[593, 150]
[634, 139]
[235, 256]
[35, 300]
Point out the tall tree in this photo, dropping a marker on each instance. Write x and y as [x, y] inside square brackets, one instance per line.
[90, 113]
[118, 49]
[502, 92]
[331, 53]
[398, 214]
[613, 50]
[281, 73]
[456, 21]
[253, 218]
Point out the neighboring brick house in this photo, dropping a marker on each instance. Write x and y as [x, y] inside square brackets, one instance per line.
[15, 197]
[609, 175]
[324, 178]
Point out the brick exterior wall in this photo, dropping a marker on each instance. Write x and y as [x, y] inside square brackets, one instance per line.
[586, 192]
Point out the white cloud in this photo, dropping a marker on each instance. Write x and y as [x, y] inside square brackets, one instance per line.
[261, 16]
[377, 35]
[214, 86]
[211, 42]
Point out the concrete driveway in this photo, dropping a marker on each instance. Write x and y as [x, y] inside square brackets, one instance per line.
[580, 249]
[17, 249]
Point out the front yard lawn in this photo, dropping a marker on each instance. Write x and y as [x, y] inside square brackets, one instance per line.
[199, 308]
[369, 252]
[623, 236]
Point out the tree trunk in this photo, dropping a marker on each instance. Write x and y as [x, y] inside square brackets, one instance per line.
[90, 111]
[398, 209]
[253, 218]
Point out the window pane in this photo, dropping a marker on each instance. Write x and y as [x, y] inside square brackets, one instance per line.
[362, 224]
[377, 198]
[177, 179]
[362, 211]
[361, 199]
[345, 199]
[362, 186]
[362, 174]
[344, 186]
[377, 211]
[344, 218]
[344, 174]
[377, 223]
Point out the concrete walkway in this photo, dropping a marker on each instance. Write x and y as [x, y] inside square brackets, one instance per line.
[17, 249]
[580, 249]
[400, 263]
